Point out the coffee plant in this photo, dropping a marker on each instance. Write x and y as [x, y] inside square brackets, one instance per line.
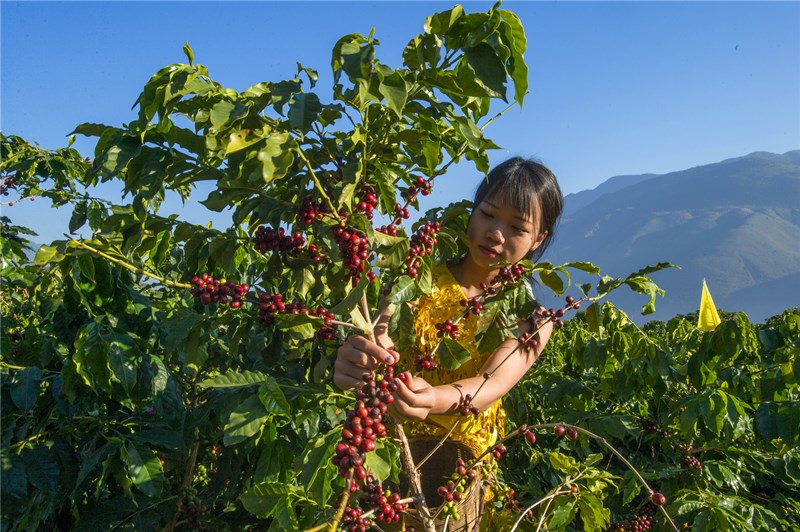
[158, 374]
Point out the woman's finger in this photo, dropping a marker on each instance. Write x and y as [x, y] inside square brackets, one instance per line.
[381, 355]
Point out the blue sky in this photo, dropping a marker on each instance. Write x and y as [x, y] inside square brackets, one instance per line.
[616, 87]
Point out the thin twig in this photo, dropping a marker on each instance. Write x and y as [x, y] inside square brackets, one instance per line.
[128, 266]
[534, 505]
[317, 183]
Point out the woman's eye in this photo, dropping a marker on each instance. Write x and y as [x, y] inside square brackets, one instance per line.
[486, 213]
[520, 229]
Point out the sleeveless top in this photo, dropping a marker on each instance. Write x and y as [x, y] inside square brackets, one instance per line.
[476, 431]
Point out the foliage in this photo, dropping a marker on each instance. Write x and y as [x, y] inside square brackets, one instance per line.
[712, 419]
[129, 403]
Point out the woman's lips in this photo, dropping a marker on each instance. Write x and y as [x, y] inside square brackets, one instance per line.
[489, 252]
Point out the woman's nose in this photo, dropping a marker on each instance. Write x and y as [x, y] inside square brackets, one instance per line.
[495, 235]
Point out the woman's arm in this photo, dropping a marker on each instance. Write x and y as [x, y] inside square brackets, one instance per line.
[416, 399]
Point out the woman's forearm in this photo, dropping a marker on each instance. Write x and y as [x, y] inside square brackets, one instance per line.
[450, 397]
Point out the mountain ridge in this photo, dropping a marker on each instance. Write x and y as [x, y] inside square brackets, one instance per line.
[735, 223]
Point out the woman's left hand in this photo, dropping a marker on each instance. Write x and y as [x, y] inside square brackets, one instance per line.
[413, 399]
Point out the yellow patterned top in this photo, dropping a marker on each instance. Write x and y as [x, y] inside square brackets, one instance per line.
[476, 431]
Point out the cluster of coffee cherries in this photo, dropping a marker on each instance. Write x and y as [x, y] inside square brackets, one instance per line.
[650, 426]
[425, 363]
[508, 274]
[367, 202]
[268, 239]
[528, 339]
[385, 503]
[329, 331]
[525, 432]
[8, 183]
[364, 424]
[192, 508]
[570, 432]
[422, 243]
[448, 328]
[466, 407]
[354, 521]
[420, 186]
[209, 290]
[691, 462]
[402, 212]
[474, 305]
[640, 522]
[390, 229]
[498, 451]
[455, 488]
[269, 305]
[354, 248]
[310, 210]
[554, 316]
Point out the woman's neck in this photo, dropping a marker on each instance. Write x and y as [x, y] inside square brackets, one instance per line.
[470, 278]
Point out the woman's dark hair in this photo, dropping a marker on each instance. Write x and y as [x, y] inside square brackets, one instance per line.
[528, 186]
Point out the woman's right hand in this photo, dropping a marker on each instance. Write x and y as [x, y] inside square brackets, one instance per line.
[358, 356]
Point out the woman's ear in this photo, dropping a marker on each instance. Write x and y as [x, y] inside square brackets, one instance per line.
[538, 242]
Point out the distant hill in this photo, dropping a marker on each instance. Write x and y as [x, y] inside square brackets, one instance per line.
[735, 223]
[578, 200]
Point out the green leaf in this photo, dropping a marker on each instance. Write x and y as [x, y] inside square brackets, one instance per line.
[587, 267]
[273, 399]
[236, 379]
[452, 354]
[403, 290]
[630, 487]
[353, 297]
[489, 316]
[46, 254]
[401, 327]
[514, 34]
[42, 468]
[90, 463]
[224, 112]
[594, 515]
[488, 68]
[276, 157]
[552, 280]
[392, 250]
[123, 360]
[144, 471]
[317, 469]
[263, 498]
[440, 23]
[245, 421]
[78, 217]
[91, 357]
[395, 89]
[378, 463]
[25, 388]
[189, 52]
[563, 513]
[15, 478]
[303, 111]
[239, 140]
[562, 462]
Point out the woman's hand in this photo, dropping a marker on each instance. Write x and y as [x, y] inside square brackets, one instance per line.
[413, 399]
[358, 356]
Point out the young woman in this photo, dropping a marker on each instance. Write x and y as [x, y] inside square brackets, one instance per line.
[515, 212]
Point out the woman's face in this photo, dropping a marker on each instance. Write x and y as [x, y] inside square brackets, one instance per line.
[498, 232]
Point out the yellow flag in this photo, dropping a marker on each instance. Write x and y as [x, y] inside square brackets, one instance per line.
[707, 318]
